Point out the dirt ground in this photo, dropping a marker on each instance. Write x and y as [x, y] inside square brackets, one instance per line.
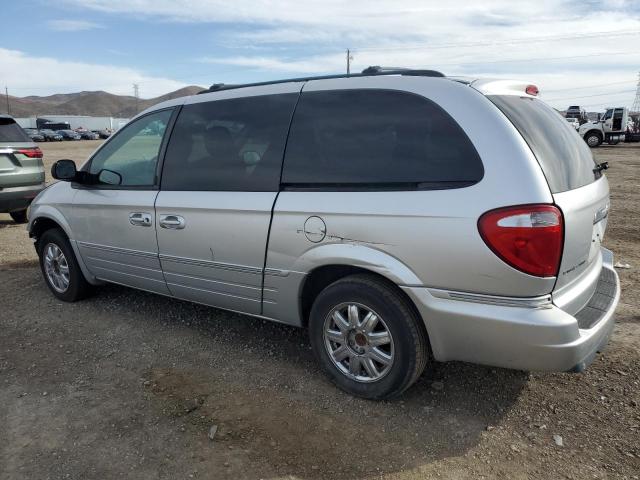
[129, 384]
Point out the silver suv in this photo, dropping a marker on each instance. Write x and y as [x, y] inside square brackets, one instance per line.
[21, 169]
[401, 216]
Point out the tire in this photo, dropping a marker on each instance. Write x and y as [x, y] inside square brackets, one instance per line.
[407, 351]
[19, 216]
[77, 287]
[593, 139]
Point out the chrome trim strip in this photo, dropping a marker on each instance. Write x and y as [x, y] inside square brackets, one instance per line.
[211, 264]
[96, 259]
[210, 280]
[211, 292]
[124, 251]
[126, 274]
[276, 272]
[543, 301]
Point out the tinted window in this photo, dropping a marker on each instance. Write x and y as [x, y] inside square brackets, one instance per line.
[10, 131]
[565, 158]
[229, 145]
[133, 152]
[381, 137]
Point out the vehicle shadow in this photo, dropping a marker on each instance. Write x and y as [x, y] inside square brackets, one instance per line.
[267, 397]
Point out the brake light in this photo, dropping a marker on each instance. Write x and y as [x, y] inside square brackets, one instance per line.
[30, 152]
[528, 237]
[531, 90]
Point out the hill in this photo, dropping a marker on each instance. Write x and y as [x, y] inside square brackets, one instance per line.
[98, 104]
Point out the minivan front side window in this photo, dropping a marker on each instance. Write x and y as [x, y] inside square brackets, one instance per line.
[133, 152]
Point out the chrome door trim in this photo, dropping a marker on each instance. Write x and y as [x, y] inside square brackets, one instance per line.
[212, 264]
[543, 301]
[125, 251]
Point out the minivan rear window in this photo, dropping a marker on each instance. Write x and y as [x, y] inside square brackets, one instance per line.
[377, 139]
[565, 158]
[10, 131]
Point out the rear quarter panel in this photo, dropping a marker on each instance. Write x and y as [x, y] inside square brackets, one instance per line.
[419, 238]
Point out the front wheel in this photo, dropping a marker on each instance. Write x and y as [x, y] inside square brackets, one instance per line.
[367, 337]
[593, 140]
[60, 268]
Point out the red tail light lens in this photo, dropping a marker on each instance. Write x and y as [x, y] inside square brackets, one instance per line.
[30, 152]
[529, 237]
[531, 90]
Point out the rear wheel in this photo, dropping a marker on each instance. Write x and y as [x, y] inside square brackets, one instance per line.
[19, 216]
[367, 337]
[60, 268]
[593, 139]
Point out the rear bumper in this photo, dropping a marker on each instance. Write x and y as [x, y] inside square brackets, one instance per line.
[535, 336]
[18, 198]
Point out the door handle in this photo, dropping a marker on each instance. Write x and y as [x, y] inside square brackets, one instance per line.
[173, 222]
[140, 219]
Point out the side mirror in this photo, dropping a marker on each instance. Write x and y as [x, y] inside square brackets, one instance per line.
[64, 170]
[109, 177]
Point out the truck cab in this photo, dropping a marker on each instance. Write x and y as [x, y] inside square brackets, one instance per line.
[610, 128]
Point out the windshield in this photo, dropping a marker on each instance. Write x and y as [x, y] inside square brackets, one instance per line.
[564, 157]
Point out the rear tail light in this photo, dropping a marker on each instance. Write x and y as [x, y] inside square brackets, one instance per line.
[529, 237]
[30, 152]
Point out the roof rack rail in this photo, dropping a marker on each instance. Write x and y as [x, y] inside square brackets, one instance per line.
[367, 72]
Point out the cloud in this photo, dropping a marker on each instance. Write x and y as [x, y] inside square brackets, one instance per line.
[66, 77]
[563, 43]
[72, 25]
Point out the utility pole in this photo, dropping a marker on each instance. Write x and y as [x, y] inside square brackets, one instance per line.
[636, 103]
[349, 58]
[136, 93]
[6, 94]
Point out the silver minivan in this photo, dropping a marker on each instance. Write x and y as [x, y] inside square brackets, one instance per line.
[402, 217]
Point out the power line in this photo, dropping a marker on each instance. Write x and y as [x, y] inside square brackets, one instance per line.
[590, 96]
[516, 60]
[589, 86]
[610, 33]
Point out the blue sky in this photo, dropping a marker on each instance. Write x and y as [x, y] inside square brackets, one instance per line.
[578, 51]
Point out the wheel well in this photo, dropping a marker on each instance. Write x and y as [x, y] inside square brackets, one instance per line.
[593, 131]
[41, 225]
[320, 278]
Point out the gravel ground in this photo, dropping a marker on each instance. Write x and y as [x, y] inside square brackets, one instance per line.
[129, 384]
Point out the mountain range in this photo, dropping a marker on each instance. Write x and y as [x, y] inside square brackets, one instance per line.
[97, 104]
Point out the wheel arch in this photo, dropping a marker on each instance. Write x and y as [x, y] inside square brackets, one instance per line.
[332, 262]
[46, 218]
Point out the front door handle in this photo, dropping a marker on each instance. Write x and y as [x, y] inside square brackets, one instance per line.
[173, 222]
[140, 219]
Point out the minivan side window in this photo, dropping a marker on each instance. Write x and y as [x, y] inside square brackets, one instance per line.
[377, 139]
[229, 145]
[133, 152]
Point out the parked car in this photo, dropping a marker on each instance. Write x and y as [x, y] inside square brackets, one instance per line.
[21, 170]
[88, 135]
[573, 122]
[104, 133]
[51, 136]
[69, 135]
[413, 218]
[34, 135]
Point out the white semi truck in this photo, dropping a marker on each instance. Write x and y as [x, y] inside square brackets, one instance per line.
[610, 128]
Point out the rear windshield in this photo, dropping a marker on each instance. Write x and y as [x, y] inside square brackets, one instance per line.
[10, 131]
[565, 158]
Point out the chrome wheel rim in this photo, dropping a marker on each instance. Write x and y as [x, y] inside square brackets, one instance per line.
[592, 141]
[56, 268]
[358, 342]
